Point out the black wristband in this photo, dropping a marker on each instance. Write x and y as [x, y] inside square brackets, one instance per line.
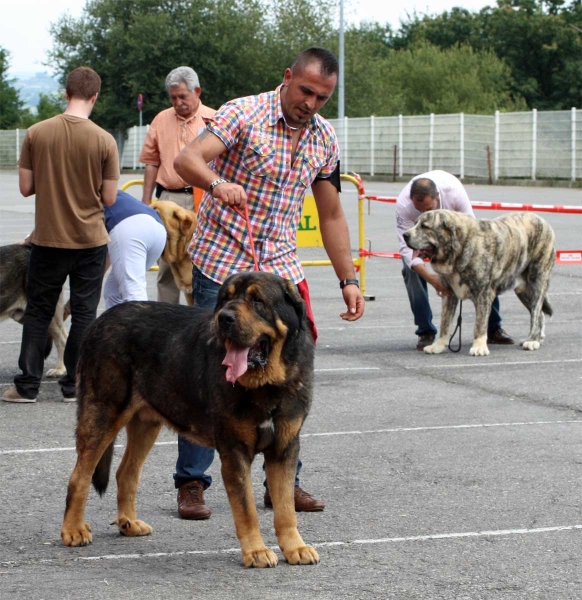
[345, 282]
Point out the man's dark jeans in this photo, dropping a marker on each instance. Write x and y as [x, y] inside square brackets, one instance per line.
[48, 269]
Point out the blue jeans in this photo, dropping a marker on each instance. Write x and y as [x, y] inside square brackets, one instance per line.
[193, 460]
[417, 289]
[48, 269]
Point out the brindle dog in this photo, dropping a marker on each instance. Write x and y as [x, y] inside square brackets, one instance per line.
[481, 258]
[148, 364]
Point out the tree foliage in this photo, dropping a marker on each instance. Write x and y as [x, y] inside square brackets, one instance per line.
[237, 47]
[12, 110]
[539, 40]
[518, 54]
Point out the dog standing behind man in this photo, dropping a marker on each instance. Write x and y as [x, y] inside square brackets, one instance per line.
[13, 276]
[481, 258]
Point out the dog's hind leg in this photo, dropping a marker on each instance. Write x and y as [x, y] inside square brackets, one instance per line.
[96, 432]
[141, 436]
[448, 311]
[281, 466]
[75, 531]
[58, 334]
[532, 295]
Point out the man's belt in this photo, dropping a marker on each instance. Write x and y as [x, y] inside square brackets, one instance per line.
[160, 188]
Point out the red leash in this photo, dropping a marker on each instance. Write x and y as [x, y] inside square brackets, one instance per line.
[302, 287]
[245, 216]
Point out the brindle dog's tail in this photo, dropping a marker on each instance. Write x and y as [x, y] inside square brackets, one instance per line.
[547, 307]
[101, 474]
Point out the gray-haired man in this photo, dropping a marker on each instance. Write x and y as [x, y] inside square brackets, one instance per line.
[171, 131]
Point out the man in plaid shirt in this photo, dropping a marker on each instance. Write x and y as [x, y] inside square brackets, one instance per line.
[265, 152]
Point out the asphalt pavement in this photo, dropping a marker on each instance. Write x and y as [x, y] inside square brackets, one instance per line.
[445, 477]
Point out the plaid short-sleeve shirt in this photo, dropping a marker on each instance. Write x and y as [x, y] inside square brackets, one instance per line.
[259, 159]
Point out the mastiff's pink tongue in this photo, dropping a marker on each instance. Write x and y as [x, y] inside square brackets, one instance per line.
[235, 361]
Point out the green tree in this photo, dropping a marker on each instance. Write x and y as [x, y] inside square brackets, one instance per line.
[237, 47]
[50, 105]
[425, 79]
[12, 110]
[540, 41]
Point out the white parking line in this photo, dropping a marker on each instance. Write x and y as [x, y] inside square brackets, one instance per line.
[335, 433]
[496, 364]
[389, 540]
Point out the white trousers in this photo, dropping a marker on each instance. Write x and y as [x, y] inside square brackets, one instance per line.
[136, 244]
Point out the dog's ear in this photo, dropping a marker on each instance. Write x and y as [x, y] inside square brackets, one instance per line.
[186, 222]
[293, 298]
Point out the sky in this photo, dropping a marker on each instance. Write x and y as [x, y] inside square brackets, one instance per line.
[24, 26]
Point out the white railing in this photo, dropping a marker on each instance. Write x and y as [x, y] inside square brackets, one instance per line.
[526, 145]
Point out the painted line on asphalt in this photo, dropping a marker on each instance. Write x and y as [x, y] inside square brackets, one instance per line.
[496, 364]
[365, 542]
[337, 433]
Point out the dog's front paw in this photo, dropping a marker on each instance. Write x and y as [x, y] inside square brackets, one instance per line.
[56, 372]
[77, 536]
[531, 345]
[305, 555]
[436, 348]
[479, 348]
[259, 558]
[132, 527]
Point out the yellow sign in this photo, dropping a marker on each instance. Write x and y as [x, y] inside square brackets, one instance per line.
[308, 232]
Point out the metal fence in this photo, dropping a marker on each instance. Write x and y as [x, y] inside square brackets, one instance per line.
[525, 145]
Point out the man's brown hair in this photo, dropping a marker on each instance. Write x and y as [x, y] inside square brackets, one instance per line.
[83, 83]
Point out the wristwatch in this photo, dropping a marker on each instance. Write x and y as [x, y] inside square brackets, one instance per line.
[214, 184]
[345, 282]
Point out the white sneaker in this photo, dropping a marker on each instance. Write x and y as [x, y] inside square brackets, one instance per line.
[72, 399]
[12, 395]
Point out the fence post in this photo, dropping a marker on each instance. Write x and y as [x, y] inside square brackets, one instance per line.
[573, 145]
[372, 157]
[400, 145]
[346, 145]
[534, 142]
[430, 140]
[134, 136]
[462, 145]
[496, 148]
[17, 144]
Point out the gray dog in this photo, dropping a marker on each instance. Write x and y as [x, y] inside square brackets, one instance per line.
[13, 275]
[481, 258]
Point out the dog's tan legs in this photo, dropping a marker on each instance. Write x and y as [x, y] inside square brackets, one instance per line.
[236, 473]
[75, 531]
[281, 476]
[59, 337]
[448, 312]
[141, 436]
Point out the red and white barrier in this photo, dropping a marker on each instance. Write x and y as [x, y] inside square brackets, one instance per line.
[575, 210]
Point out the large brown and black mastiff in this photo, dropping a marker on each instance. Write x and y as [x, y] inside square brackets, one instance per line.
[238, 379]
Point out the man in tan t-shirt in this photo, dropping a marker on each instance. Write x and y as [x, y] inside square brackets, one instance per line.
[171, 131]
[72, 166]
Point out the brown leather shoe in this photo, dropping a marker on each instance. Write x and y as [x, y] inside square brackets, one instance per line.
[426, 339]
[498, 336]
[191, 501]
[304, 502]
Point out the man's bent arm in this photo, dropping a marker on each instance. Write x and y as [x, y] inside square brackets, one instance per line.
[109, 191]
[149, 183]
[26, 182]
[192, 166]
[336, 240]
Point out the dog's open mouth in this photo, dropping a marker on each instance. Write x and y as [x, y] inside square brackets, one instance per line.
[428, 252]
[239, 359]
